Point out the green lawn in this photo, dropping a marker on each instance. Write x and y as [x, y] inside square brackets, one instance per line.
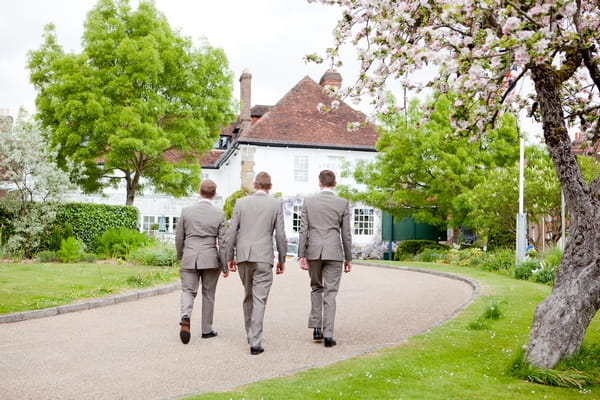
[34, 286]
[452, 361]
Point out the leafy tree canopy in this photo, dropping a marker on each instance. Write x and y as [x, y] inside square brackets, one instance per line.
[138, 101]
[422, 168]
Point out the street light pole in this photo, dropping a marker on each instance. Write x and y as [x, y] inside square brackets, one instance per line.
[521, 216]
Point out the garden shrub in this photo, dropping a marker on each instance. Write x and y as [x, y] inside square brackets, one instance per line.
[500, 260]
[525, 269]
[58, 234]
[409, 248]
[158, 254]
[119, 242]
[430, 255]
[544, 274]
[552, 257]
[46, 256]
[71, 250]
[90, 221]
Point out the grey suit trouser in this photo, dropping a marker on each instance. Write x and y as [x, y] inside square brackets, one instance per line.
[257, 279]
[190, 280]
[325, 276]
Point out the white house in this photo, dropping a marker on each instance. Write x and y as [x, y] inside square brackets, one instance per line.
[291, 140]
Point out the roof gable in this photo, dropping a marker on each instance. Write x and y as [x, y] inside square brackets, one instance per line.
[296, 120]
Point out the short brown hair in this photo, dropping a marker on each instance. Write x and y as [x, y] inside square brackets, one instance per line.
[208, 189]
[262, 181]
[327, 178]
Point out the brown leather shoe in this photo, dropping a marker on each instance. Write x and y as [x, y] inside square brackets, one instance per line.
[184, 331]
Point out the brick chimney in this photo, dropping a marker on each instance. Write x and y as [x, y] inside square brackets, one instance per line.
[245, 98]
[331, 78]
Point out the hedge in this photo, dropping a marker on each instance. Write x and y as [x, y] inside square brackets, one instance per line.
[89, 221]
[412, 247]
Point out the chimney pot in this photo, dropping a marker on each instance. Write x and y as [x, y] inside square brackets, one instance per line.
[331, 78]
[245, 98]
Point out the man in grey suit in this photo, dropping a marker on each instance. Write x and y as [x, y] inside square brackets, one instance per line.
[324, 249]
[255, 219]
[199, 233]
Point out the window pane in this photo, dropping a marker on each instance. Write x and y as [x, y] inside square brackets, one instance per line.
[363, 221]
[301, 168]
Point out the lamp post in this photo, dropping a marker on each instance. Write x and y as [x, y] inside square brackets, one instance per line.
[521, 216]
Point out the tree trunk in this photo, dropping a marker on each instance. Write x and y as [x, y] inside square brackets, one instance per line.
[132, 185]
[561, 320]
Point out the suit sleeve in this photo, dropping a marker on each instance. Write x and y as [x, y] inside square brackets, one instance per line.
[347, 233]
[303, 234]
[180, 237]
[222, 245]
[280, 238]
[232, 232]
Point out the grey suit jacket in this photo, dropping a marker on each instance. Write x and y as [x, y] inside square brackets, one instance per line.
[251, 228]
[200, 230]
[325, 231]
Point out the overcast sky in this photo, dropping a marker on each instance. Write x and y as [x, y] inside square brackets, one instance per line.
[268, 37]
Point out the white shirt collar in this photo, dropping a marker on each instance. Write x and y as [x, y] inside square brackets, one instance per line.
[327, 190]
[261, 191]
[205, 199]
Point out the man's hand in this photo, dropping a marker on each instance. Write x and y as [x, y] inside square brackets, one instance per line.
[280, 268]
[232, 265]
[225, 274]
[303, 263]
[347, 266]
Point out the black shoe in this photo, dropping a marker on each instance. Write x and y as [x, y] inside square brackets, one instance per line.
[184, 331]
[256, 350]
[209, 335]
[317, 334]
[329, 342]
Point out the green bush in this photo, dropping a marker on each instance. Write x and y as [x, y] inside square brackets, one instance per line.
[119, 242]
[500, 260]
[159, 254]
[552, 257]
[46, 256]
[525, 269]
[409, 248]
[90, 221]
[71, 250]
[58, 234]
[544, 274]
[430, 255]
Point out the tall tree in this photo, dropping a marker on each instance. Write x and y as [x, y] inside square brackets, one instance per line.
[421, 168]
[38, 184]
[138, 102]
[482, 50]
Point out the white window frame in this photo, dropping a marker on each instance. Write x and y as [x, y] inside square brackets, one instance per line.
[300, 168]
[363, 221]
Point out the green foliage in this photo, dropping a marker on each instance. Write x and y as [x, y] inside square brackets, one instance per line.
[46, 256]
[158, 254]
[230, 202]
[71, 250]
[58, 234]
[552, 256]
[89, 221]
[419, 172]
[500, 260]
[430, 255]
[575, 372]
[525, 269]
[119, 242]
[137, 92]
[409, 248]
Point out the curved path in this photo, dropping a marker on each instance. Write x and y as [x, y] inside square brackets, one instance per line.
[131, 350]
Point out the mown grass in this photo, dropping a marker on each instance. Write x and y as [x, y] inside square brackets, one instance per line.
[41, 285]
[451, 361]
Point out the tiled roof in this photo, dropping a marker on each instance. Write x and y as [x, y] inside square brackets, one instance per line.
[296, 120]
[207, 160]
